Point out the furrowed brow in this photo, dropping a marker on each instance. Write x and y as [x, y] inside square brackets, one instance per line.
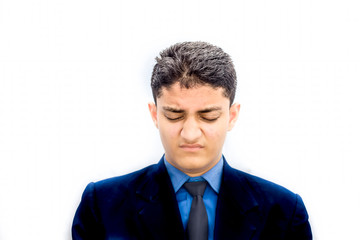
[174, 110]
[211, 109]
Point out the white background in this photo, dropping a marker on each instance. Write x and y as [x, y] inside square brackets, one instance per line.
[74, 87]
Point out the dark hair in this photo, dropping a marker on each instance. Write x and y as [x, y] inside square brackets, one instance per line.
[191, 64]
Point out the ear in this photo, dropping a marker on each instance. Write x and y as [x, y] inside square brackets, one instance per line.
[234, 114]
[153, 113]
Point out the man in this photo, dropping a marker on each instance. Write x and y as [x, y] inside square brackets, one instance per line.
[193, 85]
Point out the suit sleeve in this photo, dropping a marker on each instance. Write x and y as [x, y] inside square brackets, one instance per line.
[87, 223]
[300, 226]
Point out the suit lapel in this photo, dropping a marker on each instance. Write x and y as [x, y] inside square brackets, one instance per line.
[157, 208]
[237, 215]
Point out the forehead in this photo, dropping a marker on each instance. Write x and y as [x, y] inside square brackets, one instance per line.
[197, 97]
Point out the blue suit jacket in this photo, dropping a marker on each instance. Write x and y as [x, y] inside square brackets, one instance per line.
[142, 205]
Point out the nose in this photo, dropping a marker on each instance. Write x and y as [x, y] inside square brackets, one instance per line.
[191, 130]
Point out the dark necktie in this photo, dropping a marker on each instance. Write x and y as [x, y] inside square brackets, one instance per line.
[197, 228]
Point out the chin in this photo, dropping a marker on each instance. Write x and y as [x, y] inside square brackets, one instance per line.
[193, 164]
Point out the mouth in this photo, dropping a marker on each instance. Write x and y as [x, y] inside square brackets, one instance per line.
[191, 147]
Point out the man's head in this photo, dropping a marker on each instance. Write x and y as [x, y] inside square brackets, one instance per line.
[191, 64]
[193, 85]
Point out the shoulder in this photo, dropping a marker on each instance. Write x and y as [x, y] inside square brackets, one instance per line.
[280, 207]
[117, 188]
[127, 180]
[107, 204]
[266, 187]
[264, 191]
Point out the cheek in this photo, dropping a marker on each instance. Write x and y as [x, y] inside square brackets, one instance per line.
[215, 138]
[215, 131]
[169, 133]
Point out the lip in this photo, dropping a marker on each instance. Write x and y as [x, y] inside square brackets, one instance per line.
[191, 147]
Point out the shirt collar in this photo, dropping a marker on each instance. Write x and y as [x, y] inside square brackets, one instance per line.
[213, 176]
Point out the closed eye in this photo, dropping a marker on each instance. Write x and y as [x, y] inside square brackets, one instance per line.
[210, 116]
[210, 119]
[174, 119]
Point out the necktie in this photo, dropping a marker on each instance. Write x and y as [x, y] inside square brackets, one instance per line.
[197, 228]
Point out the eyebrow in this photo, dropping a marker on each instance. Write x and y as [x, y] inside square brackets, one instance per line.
[210, 109]
[177, 110]
[174, 110]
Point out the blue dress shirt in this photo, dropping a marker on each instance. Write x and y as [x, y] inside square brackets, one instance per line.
[184, 199]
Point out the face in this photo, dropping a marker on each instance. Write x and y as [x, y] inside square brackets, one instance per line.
[193, 124]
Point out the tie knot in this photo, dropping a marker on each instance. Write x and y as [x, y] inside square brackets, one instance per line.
[195, 188]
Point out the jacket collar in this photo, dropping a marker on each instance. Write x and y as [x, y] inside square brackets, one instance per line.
[237, 212]
[158, 210]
